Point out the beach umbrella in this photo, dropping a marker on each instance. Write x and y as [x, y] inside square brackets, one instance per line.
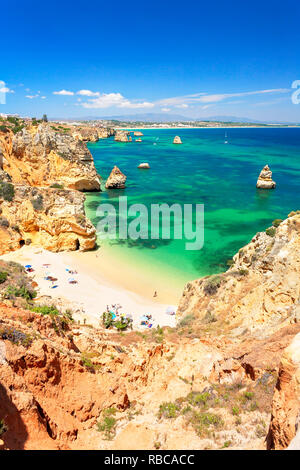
[171, 310]
[143, 318]
[28, 266]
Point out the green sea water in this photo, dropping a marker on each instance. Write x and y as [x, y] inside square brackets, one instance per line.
[207, 171]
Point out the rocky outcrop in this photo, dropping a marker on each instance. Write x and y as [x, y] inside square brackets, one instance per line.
[56, 383]
[177, 140]
[116, 179]
[39, 156]
[144, 166]
[50, 397]
[285, 420]
[52, 218]
[265, 179]
[93, 134]
[138, 134]
[105, 132]
[122, 136]
[260, 292]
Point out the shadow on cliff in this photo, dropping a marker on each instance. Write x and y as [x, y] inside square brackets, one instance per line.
[16, 435]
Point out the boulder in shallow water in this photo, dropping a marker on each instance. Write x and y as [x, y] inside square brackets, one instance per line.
[144, 166]
[265, 179]
[116, 179]
[177, 140]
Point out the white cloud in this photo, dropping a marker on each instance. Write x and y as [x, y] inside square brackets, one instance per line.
[31, 97]
[88, 93]
[166, 110]
[107, 100]
[6, 90]
[183, 101]
[183, 106]
[64, 93]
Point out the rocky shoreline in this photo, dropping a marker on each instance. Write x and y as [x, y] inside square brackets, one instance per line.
[227, 376]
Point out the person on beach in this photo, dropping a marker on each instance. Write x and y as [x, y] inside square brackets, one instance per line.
[155, 294]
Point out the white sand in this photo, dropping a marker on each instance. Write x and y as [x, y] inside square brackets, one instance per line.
[89, 298]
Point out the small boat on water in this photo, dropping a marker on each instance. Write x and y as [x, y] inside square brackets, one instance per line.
[138, 140]
[226, 140]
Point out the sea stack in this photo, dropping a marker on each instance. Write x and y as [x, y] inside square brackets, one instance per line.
[122, 136]
[177, 140]
[265, 179]
[138, 134]
[116, 179]
[144, 166]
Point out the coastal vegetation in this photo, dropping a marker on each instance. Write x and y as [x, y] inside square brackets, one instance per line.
[108, 423]
[7, 191]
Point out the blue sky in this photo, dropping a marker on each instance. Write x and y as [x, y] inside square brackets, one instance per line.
[76, 59]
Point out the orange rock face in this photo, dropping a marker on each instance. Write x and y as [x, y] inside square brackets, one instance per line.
[286, 400]
[261, 290]
[51, 218]
[39, 156]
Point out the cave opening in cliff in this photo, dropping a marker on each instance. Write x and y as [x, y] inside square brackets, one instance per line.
[22, 243]
[77, 244]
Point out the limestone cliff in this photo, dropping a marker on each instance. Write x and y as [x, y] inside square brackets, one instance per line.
[260, 292]
[39, 156]
[93, 134]
[52, 218]
[206, 384]
[285, 421]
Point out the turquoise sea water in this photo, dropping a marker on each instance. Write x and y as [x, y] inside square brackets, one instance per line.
[202, 170]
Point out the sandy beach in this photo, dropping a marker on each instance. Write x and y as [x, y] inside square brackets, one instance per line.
[94, 290]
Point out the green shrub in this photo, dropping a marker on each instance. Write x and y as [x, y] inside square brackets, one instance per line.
[87, 362]
[212, 284]
[16, 337]
[7, 191]
[235, 411]
[209, 318]
[243, 271]
[276, 222]
[198, 398]
[121, 324]
[107, 319]
[203, 422]
[17, 267]
[226, 444]
[271, 231]
[248, 395]
[57, 186]
[108, 423]
[4, 222]
[37, 203]
[187, 320]
[46, 310]
[168, 410]
[3, 276]
[22, 291]
[18, 128]
[60, 321]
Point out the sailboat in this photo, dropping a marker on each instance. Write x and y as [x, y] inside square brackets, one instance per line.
[226, 141]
